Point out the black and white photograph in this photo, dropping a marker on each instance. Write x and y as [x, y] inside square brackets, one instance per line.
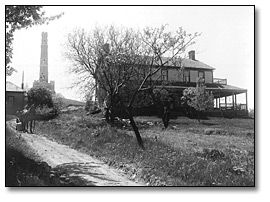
[127, 96]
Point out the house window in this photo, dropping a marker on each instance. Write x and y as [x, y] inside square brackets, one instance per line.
[10, 101]
[186, 76]
[201, 74]
[164, 74]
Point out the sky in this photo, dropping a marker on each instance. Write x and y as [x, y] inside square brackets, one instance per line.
[226, 42]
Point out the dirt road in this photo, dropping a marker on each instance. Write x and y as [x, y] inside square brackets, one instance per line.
[77, 166]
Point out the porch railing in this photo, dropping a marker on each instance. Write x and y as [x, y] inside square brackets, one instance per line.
[220, 81]
[229, 106]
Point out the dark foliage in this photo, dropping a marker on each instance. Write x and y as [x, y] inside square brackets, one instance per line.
[40, 96]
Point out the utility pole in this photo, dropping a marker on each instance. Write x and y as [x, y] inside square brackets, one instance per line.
[22, 80]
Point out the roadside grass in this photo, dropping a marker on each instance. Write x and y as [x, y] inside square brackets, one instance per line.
[177, 156]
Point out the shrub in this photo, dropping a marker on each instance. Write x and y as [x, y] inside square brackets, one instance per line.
[39, 96]
[57, 103]
[89, 105]
[47, 105]
[251, 113]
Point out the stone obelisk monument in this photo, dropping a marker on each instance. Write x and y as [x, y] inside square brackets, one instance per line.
[43, 72]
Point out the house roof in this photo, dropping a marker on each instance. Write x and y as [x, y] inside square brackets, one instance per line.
[222, 87]
[195, 64]
[210, 86]
[217, 89]
[188, 63]
[12, 87]
[173, 62]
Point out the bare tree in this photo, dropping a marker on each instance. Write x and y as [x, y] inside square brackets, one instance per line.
[115, 58]
[161, 49]
[101, 58]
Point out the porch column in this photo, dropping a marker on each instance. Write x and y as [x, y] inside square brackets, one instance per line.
[233, 99]
[219, 102]
[225, 102]
[246, 101]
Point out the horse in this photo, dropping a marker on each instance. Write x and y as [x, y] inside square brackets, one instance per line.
[27, 118]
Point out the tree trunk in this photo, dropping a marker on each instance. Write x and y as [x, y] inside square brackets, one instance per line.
[166, 116]
[112, 116]
[107, 115]
[165, 119]
[199, 116]
[135, 129]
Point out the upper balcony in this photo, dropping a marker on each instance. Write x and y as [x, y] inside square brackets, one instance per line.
[220, 81]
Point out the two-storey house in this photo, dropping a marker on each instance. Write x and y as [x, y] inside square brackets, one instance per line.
[183, 74]
[225, 96]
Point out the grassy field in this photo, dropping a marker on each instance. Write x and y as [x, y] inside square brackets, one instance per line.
[215, 152]
[69, 102]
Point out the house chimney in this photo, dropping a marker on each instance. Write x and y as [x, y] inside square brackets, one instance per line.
[23, 80]
[191, 55]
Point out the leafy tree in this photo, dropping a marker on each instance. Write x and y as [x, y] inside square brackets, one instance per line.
[198, 98]
[18, 17]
